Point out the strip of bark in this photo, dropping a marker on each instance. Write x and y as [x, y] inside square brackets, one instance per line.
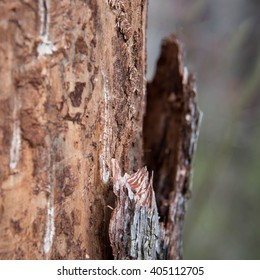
[134, 227]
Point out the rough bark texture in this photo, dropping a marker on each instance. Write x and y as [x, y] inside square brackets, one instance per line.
[134, 226]
[170, 135]
[72, 97]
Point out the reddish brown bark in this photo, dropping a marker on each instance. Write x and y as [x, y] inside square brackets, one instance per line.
[72, 96]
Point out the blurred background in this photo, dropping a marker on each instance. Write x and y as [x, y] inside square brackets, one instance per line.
[222, 48]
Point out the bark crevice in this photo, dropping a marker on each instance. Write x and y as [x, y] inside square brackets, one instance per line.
[170, 132]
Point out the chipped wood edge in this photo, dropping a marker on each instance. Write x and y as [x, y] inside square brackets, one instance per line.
[136, 231]
[134, 228]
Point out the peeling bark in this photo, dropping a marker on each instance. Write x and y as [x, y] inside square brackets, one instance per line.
[72, 99]
[171, 127]
[134, 229]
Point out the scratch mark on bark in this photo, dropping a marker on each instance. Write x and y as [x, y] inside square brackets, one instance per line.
[16, 140]
[105, 139]
[50, 227]
[15, 145]
[50, 217]
[45, 46]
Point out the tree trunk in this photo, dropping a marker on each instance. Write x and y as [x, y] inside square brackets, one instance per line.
[73, 97]
[142, 227]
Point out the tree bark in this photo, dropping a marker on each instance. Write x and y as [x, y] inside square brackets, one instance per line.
[140, 227]
[72, 102]
[72, 97]
[171, 128]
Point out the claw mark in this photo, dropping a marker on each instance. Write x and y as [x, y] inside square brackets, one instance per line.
[45, 47]
[16, 140]
[50, 228]
[105, 156]
[15, 145]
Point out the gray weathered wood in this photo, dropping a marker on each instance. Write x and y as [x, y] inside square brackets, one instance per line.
[171, 128]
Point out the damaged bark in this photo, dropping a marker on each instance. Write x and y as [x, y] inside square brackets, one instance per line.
[72, 109]
[72, 77]
[171, 127]
[134, 226]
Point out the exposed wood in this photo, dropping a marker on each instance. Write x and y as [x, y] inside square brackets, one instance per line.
[72, 97]
[134, 226]
[170, 135]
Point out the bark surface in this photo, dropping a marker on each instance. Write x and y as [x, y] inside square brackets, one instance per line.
[72, 104]
[72, 98]
[171, 127]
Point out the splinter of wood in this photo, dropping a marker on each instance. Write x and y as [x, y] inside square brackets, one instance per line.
[134, 228]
